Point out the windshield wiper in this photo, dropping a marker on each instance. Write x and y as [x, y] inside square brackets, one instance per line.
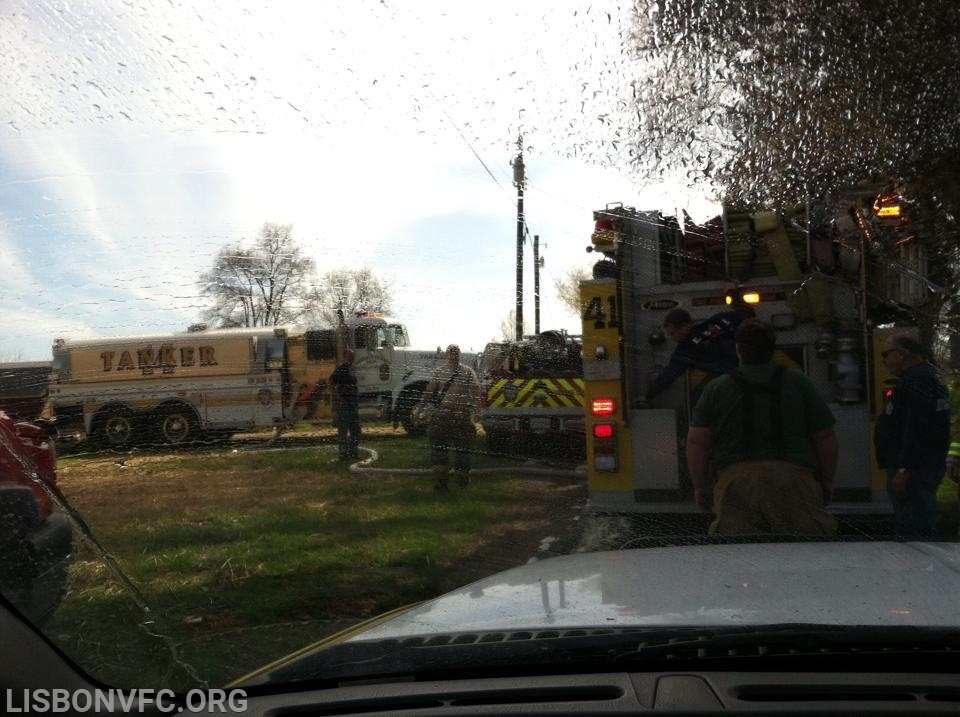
[795, 640]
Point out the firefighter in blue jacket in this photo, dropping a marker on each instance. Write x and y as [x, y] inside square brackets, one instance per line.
[708, 345]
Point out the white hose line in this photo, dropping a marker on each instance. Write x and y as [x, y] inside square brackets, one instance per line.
[364, 466]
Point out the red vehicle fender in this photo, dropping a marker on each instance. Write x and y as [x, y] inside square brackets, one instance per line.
[25, 443]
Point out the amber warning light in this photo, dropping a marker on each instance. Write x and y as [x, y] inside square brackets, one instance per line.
[887, 205]
[602, 406]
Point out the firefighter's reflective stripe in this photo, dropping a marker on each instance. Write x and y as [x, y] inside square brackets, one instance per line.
[539, 392]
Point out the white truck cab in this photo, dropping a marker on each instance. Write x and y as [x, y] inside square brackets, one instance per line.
[391, 374]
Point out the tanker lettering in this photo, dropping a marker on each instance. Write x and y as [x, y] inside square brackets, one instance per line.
[167, 358]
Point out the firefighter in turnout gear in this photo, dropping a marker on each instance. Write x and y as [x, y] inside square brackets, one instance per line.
[770, 436]
[454, 392]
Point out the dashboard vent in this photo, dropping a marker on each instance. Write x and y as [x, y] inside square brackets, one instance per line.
[587, 693]
[942, 695]
[824, 693]
[467, 698]
[845, 693]
[352, 707]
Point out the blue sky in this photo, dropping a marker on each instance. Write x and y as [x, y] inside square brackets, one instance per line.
[140, 140]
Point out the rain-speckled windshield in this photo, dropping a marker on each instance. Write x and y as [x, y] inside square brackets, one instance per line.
[313, 311]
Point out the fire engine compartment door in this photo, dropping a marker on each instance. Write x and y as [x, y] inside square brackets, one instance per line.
[269, 399]
[853, 479]
[656, 468]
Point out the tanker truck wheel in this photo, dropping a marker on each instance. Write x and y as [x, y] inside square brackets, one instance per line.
[114, 428]
[176, 425]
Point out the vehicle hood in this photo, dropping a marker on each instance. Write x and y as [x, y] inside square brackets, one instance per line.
[827, 583]
[722, 586]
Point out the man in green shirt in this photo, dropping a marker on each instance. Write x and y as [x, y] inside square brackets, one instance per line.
[769, 435]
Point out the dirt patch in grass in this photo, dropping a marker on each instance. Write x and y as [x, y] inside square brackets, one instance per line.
[553, 529]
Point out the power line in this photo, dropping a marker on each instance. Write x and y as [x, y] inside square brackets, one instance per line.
[472, 150]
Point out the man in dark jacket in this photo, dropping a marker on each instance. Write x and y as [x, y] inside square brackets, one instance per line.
[346, 408]
[912, 436]
[708, 345]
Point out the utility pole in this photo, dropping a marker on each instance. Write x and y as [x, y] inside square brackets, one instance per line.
[518, 180]
[537, 265]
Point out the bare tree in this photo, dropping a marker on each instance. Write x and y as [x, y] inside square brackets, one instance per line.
[508, 327]
[568, 288]
[264, 285]
[348, 290]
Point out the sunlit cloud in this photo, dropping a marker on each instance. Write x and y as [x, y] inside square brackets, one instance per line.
[177, 129]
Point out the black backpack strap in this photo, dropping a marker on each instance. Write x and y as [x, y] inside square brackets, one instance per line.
[439, 399]
[748, 390]
[747, 443]
[776, 414]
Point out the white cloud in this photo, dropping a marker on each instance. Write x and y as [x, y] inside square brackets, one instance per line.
[175, 129]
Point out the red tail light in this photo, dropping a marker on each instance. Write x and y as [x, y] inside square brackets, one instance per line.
[603, 430]
[605, 448]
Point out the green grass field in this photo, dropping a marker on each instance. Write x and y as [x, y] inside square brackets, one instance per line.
[246, 556]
